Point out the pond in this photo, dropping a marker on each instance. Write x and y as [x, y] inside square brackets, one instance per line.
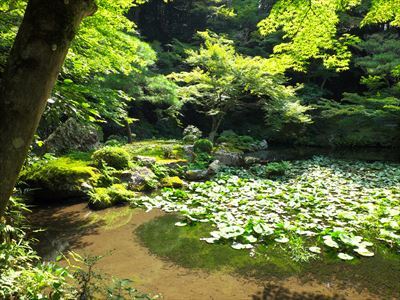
[328, 229]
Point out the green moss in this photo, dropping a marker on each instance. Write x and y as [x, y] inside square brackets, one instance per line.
[102, 198]
[114, 157]
[156, 149]
[62, 174]
[172, 182]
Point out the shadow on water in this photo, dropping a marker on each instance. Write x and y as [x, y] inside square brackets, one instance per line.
[277, 292]
[61, 228]
[371, 154]
[181, 245]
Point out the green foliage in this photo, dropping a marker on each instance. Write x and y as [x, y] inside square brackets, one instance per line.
[101, 198]
[114, 157]
[23, 275]
[304, 37]
[234, 142]
[270, 170]
[203, 146]
[221, 79]
[201, 161]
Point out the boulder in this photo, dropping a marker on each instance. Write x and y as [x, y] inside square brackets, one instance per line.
[214, 167]
[145, 160]
[227, 158]
[138, 179]
[197, 175]
[72, 135]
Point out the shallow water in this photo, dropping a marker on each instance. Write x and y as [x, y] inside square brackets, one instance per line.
[132, 240]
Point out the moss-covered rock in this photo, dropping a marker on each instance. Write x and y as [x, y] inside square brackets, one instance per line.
[115, 157]
[172, 182]
[60, 178]
[101, 198]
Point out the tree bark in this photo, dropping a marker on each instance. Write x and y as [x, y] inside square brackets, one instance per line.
[215, 124]
[35, 60]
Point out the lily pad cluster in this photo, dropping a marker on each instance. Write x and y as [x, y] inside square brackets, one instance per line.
[335, 206]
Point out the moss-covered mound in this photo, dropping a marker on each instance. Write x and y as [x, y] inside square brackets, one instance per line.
[62, 177]
[114, 157]
[101, 198]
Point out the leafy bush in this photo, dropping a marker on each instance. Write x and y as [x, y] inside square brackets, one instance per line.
[201, 162]
[102, 198]
[114, 157]
[23, 276]
[203, 146]
[191, 134]
[168, 151]
[234, 141]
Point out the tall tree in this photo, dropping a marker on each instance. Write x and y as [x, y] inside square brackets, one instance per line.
[39, 50]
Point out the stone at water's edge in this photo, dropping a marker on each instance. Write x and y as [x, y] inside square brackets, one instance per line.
[72, 135]
[229, 158]
[197, 175]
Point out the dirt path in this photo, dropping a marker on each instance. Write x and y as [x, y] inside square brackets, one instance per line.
[74, 227]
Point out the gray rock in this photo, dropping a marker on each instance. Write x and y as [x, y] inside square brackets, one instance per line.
[214, 167]
[138, 179]
[227, 158]
[197, 175]
[145, 160]
[72, 135]
[189, 152]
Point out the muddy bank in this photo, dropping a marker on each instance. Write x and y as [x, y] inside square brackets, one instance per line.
[74, 227]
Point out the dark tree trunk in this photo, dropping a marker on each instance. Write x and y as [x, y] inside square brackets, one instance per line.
[128, 131]
[215, 124]
[34, 63]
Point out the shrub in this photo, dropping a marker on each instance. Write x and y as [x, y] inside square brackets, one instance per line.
[203, 146]
[191, 134]
[102, 198]
[168, 151]
[236, 142]
[114, 157]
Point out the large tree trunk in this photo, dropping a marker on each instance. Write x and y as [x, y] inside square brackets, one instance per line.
[34, 63]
